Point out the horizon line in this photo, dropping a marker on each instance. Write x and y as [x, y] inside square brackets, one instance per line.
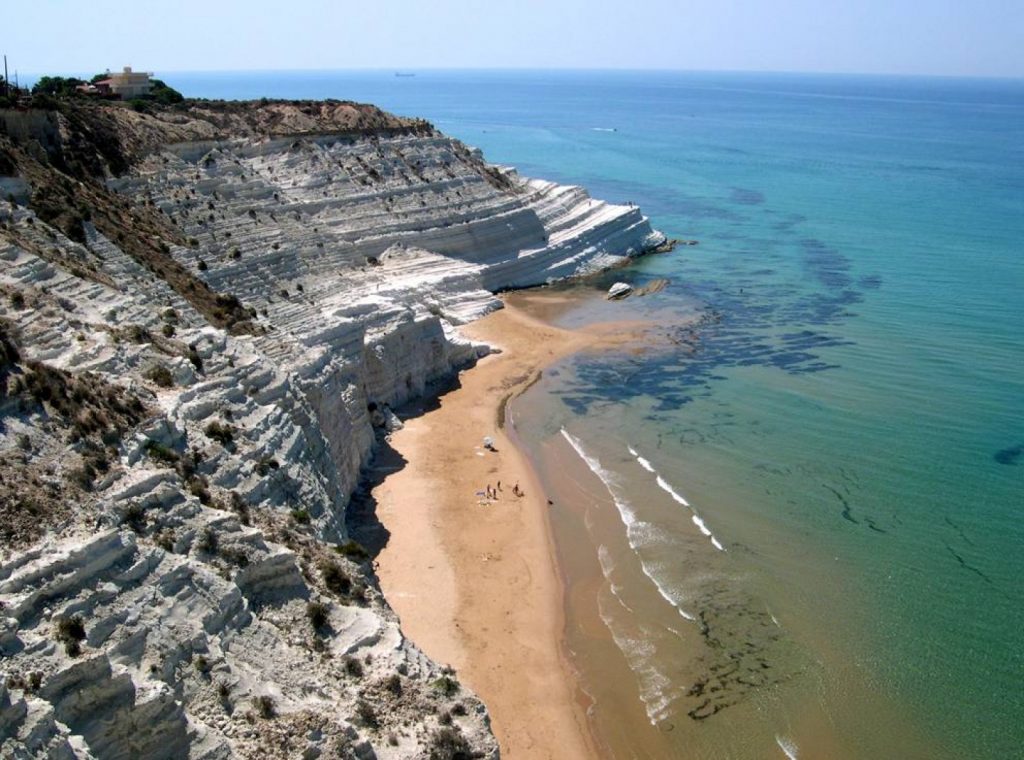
[560, 69]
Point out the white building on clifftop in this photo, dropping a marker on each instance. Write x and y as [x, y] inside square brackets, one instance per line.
[128, 84]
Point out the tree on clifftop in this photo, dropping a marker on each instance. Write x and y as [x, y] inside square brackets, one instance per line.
[163, 94]
[57, 86]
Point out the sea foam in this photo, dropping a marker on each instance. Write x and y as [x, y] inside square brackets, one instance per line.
[788, 746]
[677, 497]
[656, 689]
[638, 532]
[643, 462]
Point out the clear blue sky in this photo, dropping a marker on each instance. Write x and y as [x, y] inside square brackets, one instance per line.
[954, 37]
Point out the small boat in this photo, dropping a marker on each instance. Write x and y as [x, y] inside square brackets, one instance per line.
[619, 290]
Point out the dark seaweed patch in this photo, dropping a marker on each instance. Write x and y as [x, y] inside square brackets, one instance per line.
[846, 513]
[827, 265]
[757, 320]
[872, 526]
[744, 651]
[1010, 455]
[657, 200]
[960, 530]
[870, 282]
[789, 223]
[746, 197]
[969, 568]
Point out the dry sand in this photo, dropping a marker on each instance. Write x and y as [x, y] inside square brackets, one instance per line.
[475, 581]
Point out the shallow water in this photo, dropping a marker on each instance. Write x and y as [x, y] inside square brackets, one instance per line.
[848, 422]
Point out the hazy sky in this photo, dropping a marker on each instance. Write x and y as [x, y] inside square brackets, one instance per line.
[958, 37]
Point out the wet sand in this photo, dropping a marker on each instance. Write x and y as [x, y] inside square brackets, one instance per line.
[475, 580]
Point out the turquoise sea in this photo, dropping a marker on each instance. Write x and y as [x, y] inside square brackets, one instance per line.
[847, 422]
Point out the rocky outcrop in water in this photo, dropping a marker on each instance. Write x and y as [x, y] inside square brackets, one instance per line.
[207, 315]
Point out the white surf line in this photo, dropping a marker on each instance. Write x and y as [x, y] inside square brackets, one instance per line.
[643, 462]
[626, 514]
[677, 497]
[788, 747]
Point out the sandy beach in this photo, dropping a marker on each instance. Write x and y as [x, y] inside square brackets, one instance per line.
[475, 580]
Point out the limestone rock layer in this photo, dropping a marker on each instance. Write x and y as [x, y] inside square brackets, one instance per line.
[204, 337]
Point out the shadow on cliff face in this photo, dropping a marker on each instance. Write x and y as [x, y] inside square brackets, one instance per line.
[361, 518]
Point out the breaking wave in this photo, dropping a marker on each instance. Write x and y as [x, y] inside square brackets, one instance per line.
[788, 746]
[638, 532]
[656, 689]
[678, 497]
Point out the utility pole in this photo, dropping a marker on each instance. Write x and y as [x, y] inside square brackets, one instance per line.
[7, 86]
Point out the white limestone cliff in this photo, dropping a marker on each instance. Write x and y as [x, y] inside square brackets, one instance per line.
[199, 549]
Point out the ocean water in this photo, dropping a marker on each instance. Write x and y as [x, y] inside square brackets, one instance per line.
[796, 528]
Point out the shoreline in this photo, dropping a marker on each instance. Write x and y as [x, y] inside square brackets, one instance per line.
[476, 582]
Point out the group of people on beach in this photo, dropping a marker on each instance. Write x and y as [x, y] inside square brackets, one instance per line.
[492, 493]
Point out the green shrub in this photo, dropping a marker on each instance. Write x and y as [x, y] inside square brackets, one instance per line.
[353, 550]
[135, 518]
[367, 714]
[82, 476]
[446, 685]
[448, 743]
[301, 516]
[138, 334]
[198, 487]
[159, 374]
[394, 684]
[335, 578]
[266, 464]
[201, 664]
[265, 706]
[208, 541]
[223, 434]
[161, 453]
[165, 540]
[237, 505]
[71, 632]
[353, 667]
[317, 614]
